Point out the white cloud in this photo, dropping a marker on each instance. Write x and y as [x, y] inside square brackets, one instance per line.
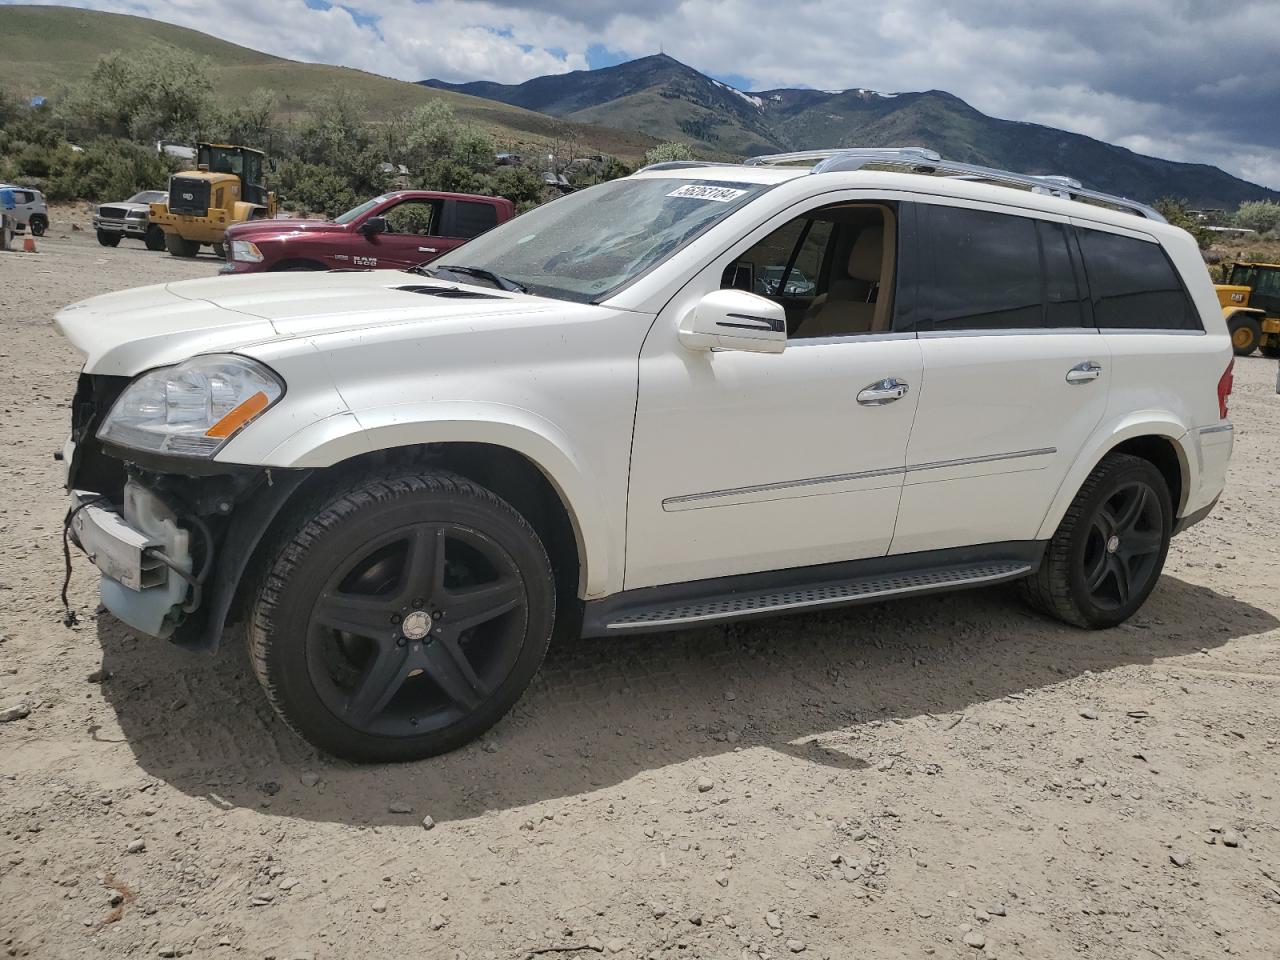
[1167, 77]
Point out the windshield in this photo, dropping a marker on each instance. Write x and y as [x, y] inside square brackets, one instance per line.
[585, 245]
[147, 196]
[357, 211]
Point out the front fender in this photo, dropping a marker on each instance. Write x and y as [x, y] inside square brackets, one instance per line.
[1142, 423]
[337, 438]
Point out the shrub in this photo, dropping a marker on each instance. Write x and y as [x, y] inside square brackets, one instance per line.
[107, 169]
[1260, 215]
[1175, 211]
[667, 152]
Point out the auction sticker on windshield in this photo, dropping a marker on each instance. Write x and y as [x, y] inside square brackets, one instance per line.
[697, 191]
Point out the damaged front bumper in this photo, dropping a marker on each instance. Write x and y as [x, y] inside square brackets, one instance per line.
[144, 556]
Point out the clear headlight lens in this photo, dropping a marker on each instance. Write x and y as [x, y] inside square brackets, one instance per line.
[245, 250]
[191, 409]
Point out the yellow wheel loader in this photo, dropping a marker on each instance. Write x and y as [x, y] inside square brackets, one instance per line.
[227, 187]
[1251, 303]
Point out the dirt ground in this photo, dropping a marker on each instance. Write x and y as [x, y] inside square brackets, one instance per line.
[948, 777]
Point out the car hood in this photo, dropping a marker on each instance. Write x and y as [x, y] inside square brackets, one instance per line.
[124, 205]
[255, 228]
[131, 331]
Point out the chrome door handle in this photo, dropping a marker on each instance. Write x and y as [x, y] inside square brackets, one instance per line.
[1084, 372]
[882, 391]
[426, 249]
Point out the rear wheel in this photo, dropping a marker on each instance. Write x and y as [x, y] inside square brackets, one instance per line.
[1245, 333]
[179, 246]
[219, 251]
[108, 239]
[154, 238]
[403, 618]
[1271, 352]
[1107, 554]
[39, 224]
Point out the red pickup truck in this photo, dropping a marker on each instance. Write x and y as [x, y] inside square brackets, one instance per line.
[393, 231]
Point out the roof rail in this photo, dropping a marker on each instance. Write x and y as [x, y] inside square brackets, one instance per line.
[921, 160]
[684, 165]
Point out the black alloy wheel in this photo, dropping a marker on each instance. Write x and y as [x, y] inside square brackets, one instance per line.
[403, 617]
[1107, 553]
[416, 629]
[1124, 545]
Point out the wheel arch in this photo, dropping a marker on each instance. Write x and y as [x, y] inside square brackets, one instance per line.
[297, 263]
[483, 441]
[1162, 442]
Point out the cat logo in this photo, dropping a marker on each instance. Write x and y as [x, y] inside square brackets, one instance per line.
[188, 196]
[1237, 298]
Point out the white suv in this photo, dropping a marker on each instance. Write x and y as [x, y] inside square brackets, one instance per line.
[589, 420]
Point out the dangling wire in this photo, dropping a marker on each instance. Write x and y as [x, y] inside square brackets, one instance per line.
[69, 618]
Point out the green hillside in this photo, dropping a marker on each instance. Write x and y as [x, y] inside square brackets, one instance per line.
[44, 48]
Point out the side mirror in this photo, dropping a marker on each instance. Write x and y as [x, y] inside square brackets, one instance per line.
[735, 320]
[374, 226]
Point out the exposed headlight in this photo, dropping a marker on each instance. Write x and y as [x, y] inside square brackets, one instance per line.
[191, 409]
[245, 250]
[136, 214]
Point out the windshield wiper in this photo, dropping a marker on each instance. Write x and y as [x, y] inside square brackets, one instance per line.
[480, 273]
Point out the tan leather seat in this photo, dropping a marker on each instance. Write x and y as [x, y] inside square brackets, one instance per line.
[845, 309]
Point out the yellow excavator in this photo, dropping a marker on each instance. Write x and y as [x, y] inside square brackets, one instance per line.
[228, 186]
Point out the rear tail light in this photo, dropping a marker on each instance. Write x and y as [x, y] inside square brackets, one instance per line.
[1224, 388]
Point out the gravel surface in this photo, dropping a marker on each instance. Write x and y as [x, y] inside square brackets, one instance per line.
[952, 776]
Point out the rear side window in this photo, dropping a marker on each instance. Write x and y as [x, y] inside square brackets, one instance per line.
[995, 271]
[470, 219]
[1133, 285]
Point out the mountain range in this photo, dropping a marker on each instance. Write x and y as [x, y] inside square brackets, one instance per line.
[664, 98]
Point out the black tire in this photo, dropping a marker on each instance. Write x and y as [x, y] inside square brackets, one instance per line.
[39, 224]
[219, 251]
[1245, 333]
[154, 238]
[179, 246]
[413, 674]
[1107, 554]
[1271, 352]
[108, 239]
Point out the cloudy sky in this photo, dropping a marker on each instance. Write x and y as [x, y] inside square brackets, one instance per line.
[1194, 80]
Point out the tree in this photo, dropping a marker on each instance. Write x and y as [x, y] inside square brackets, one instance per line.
[250, 123]
[1260, 215]
[666, 153]
[161, 93]
[1176, 212]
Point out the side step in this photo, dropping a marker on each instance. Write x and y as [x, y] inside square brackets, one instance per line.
[740, 604]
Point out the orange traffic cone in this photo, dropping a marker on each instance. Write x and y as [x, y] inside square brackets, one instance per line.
[29, 245]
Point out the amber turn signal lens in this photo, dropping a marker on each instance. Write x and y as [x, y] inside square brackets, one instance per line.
[238, 417]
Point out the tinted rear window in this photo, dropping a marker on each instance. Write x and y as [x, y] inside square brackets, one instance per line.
[471, 219]
[994, 271]
[1133, 285]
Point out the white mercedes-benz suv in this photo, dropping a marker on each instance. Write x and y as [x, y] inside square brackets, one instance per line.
[617, 413]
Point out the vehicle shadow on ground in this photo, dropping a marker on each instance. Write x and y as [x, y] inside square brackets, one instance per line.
[603, 711]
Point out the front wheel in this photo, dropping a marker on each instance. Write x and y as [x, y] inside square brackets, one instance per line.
[1107, 554]
[1271, 352]
[180, 246]
[39, 224]
[403, 618]
[1245, 333]
[219, 251]
[108, 239]
[154, 238]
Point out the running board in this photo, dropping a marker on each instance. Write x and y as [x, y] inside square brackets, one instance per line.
[737, 604]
